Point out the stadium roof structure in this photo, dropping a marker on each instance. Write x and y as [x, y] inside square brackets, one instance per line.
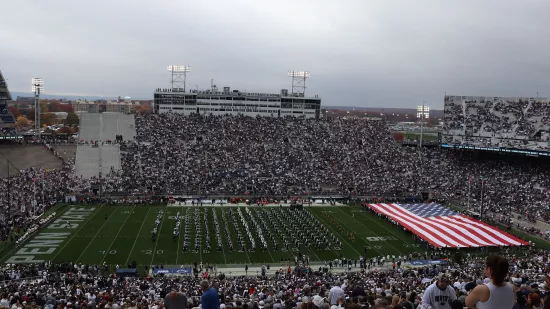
[6, 117]
[4, 92]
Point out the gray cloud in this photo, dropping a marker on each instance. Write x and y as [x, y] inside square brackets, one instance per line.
[364, 53]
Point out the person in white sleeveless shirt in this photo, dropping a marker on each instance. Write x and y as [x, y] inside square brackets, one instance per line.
[496, 294]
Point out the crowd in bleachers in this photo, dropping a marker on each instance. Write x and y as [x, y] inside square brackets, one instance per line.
[267, 157]
[511, 122]
[273, 156]
[177, 154]
[91, 286]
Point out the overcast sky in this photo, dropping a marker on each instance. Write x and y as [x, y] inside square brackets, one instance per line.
[362, 53]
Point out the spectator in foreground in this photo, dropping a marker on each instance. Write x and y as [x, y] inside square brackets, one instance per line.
[440, 294]
[175, 300]
[496, 294]
[209, 298]
[533, 301]
[335, 293]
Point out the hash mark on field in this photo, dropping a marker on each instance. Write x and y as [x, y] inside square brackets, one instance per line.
[91, 241]
[114, 239]
[179, 237]
[138, 235]
[90, 218]
[343, 238]
[369, 230]
[158, 239]
[366, 214]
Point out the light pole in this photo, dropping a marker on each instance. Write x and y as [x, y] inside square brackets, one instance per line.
[299, 81]
[179, 75]
[422, 112]
[179, 79]
[37, 87]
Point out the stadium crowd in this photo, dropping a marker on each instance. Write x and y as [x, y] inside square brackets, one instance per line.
[280, 156]
[509, 122]
[522, 285]
[268, 157]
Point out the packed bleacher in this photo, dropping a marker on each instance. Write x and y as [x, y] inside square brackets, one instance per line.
[518, 282]
[176, 155]
[271, 157]
[274, 156]
[497, 121]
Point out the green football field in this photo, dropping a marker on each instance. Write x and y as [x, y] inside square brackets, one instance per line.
[120, 235]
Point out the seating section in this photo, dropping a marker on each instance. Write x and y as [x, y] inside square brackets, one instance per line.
[497, 121]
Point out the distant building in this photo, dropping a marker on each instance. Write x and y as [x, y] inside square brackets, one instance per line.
[109, 107]
[25, 100]
[236, 102]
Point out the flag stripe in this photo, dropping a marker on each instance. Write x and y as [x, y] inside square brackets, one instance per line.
[431, 239]
[450, 239]
[510, 236]
[441, 227]
[495, 241]
[507, 238]
[474, 235]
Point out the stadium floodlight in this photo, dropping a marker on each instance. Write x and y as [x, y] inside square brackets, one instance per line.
[179, 68]
[299, 81]
[37, 84]
[423, 112]
[37, 87]
[304, 74]
[179, 76]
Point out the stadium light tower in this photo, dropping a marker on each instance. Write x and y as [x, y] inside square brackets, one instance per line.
[37, 87]
[299, 81]
[422, 112]
[179, 76]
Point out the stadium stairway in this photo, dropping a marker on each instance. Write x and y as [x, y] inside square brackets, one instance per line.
[106, 126]
[90, 160]
[102, 127]
[87, 161]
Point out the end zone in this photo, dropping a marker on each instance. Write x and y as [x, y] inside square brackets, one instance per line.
[45, 244]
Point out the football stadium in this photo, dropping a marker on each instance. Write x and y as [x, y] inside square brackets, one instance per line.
[192, 190]
[137, 200]
[266, 198]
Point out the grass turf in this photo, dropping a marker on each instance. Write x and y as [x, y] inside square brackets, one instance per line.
[125, 237]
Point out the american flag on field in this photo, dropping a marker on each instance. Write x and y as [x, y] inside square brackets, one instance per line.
[443, 227]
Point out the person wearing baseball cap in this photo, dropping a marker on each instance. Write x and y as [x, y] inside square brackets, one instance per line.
[440, 294]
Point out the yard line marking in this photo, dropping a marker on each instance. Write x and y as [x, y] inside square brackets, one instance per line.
[343, 238]
[336, 252]
[164, 211]
[70, 239]
[245, 249]
[223, 250]
[365, 214]
[200, 238]
[91, 241]
[266, 245]
[179, 237]
[224, 223]
[401, 253]
[138, 235]
[114, 239]
[272, 226]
